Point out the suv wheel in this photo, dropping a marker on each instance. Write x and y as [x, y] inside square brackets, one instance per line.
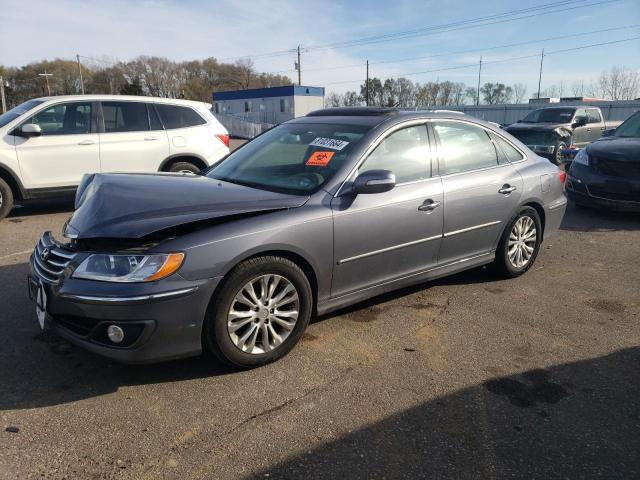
[6, 199]
[519, 245]
[557, 152]
[184, 167]
[260, 312]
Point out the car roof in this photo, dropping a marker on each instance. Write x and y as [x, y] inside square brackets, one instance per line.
[373, 116]
[125, 98]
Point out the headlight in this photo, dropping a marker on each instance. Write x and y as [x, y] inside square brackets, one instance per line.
[582, 157]
[129, 268]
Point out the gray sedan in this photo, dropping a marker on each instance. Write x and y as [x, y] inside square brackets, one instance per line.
[315, 214]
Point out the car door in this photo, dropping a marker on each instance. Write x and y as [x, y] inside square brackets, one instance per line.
[580, 135]
[383, 236]
[66, 149]
[595, 125]
[132, 138]
[482, 189]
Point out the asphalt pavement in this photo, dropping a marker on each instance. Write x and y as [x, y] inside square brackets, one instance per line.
[466, 377]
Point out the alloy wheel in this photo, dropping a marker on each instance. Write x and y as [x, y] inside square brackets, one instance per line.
[263, 314]
[522, 242]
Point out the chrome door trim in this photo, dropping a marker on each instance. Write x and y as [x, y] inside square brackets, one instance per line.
[388, 249]
[469, 229]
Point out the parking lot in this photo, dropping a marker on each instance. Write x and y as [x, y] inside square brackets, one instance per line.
[536, 377]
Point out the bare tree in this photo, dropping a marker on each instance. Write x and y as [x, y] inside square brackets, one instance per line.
[620, 83]
[519, 92]
[496, 93]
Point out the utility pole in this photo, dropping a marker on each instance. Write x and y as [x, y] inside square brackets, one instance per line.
[80, 70]
[479, 72]
[540, 77]
[46, 79]
[2, 98]
[299, 68]
[366, 87]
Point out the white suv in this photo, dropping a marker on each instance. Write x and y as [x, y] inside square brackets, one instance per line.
[48, 144]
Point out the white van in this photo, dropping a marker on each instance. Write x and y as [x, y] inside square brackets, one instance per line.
[48, 144]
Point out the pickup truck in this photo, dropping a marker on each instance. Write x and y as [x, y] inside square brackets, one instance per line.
[547, 131]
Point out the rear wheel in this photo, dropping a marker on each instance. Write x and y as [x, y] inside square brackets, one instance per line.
[260, 312]
[184, 167]
[520, 243]
[6, 199]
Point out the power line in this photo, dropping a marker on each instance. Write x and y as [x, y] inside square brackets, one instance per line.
[459, 52]
[510, 59]
[569, 4]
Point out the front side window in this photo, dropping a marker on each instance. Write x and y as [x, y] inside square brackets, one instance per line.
[64, 119]
[291, 158]
[593, 116]
[125, 117]
[580, 113]
[174, 116]
[405, 153]
[464, 147]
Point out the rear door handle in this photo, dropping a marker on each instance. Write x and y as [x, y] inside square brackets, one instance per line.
[150, 139]
[86, 142]
[507, 189]
[428, 206]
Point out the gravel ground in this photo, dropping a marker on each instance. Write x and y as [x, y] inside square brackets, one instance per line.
[467, 377]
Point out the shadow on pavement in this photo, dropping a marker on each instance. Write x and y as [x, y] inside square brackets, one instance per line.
[576, 420]
[41, 207]
[598, 220]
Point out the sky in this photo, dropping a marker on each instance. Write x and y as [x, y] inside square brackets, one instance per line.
[113, 30]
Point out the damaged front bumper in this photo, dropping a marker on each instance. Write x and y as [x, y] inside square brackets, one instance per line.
[161, 320]
[588, 188]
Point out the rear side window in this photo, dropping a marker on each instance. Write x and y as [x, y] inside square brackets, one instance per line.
[125, 117]
[593, 116]
[174, 116]
[64, 119]
[509, 152]
[464, 147]
[154, 121]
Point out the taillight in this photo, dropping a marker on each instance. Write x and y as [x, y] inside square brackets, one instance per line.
[224, 139]
[563, 176]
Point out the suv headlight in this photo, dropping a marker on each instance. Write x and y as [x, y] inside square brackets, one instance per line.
[129, 268]
[582, 157]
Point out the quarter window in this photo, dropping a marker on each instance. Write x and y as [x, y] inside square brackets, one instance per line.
[464, 147]
[405, 153]
[174, 116]
[125, 117]
[64, 119]
[509, 152]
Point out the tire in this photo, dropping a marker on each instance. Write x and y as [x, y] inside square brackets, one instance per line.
[6, 199]
[503, 265]
[184, 167]
[557, 152]
[228, 346]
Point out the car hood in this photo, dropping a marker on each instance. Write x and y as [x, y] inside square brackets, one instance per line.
[136, 205]
[616, 148]
[536, 127]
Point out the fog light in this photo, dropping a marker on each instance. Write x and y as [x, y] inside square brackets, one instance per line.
[115, 333]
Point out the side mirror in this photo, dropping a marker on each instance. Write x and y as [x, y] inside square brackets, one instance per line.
[609, 132]
[374, 181]
[519, 121]
[29, 130]
[579, 121]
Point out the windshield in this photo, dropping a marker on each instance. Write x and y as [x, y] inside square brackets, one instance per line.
[291, 158]
[550, 115]
[630, 127]
[15, 112]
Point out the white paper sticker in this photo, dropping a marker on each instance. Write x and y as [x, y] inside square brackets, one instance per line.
[329, 143]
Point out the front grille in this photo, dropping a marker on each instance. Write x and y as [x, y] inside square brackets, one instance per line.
[613, 168]
[608, 194]
[50, 259]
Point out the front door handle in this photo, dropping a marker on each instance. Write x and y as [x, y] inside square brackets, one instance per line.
[150, 139]
[86, 142]
[507, 189]
[428, 206]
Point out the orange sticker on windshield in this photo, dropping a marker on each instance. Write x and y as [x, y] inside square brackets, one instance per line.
[320, 159]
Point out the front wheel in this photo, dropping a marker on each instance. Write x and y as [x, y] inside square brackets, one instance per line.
[557, 152]
[6, 199]
[520, 243]
[260, 312]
